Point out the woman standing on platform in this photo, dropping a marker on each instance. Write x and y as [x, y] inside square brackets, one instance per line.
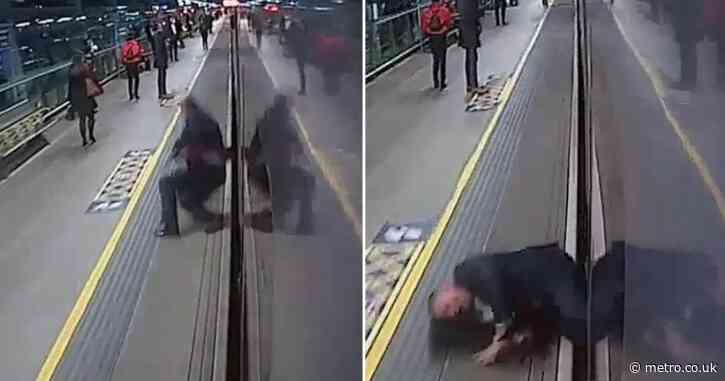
[83, 87]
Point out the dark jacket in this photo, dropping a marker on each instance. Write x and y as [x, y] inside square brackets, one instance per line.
[470, 33]
[161, 54]
[77, 94]
[202, 145]
[298, 39]
[688, 20]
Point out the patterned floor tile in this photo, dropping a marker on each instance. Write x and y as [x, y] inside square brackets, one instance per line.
[116, 192]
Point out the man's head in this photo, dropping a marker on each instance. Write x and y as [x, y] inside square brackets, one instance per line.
[449, 302]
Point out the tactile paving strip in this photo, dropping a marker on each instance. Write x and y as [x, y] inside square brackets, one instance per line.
[383, 267]
[489, 96]
[116, 192]
[16, 134]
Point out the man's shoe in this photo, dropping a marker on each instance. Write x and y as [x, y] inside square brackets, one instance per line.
[444, 87]
[163, 232]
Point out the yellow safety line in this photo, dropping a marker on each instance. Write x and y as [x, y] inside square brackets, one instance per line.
[392, 297]
[61, 343]
[692, 152]
[378, 348]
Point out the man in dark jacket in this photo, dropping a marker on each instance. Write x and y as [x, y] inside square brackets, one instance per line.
[469, 39]
[688, 22]
[438, 34]
[201, 147]
[299, 43]
[161, 61]
[542, 278]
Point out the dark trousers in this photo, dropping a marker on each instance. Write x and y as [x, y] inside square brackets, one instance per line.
[87, 121]
[194, 192]
[133, 80]
[500, 11]
[688, 64]
[259, 38]
[471, 68]
[301, 72]
[204, 40]
[161, 81]
[439, 49]
[174, 51]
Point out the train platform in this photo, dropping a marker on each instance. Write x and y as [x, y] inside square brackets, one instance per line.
[82, 271]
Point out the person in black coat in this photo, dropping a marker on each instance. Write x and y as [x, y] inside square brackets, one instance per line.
[687, 21]
[161, 61]
[81, 102]
[299, 43]
[201, 146]
[470, 31]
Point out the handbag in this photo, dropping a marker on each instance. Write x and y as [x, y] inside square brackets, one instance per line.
[92, 89]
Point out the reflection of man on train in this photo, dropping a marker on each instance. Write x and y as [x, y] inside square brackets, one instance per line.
[298, 42]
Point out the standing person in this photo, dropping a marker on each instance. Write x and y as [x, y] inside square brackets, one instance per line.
[161, 62]
[173, 39]
[500, 10]
[688, 23]
[83, 86]
[201, 149]
[132, 55]
[470, 32]
[149, 34]
[299, 42]
[258, 27]
[204, 31]
[436, 23]
[179, 26]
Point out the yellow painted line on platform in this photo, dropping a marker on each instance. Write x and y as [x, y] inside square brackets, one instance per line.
[71, 324]
[61, 343]
[692, 153]
[379, 346]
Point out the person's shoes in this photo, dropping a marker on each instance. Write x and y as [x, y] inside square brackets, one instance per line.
[164, 231]
[93, 139]
[469, 96]
[444, 87]
[505, 23]
[138, 98]
[302, 92]
[85, 142]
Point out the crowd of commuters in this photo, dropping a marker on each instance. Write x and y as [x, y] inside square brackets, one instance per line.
[166, 35]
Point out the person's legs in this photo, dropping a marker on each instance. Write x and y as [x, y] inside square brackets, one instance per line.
[82, 127]
[303, 78]
[442, 60]
[503, 11]
[474, 67]
[688, 65]
[436, 67]
[160, 82]
[497, 11]
[91, 126]
[169, 217]
[163, 82]
[137, 79]
[129, 73]
[259, 39]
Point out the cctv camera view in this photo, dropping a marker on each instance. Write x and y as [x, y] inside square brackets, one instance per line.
[180, 190]
[544, 190]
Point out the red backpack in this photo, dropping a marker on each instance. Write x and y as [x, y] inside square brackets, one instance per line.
[435, 25]
[132, 52]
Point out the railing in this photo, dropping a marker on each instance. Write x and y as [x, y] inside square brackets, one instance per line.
[390, 36]
[45, 93]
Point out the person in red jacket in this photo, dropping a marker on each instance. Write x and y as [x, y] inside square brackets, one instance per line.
[436, 23]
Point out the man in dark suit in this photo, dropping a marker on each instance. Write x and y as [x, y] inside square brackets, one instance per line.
[161, 61]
